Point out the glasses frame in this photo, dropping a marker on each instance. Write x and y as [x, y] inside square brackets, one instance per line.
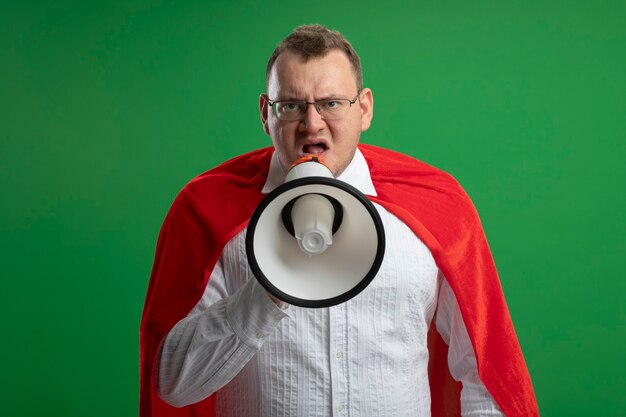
[307, 103]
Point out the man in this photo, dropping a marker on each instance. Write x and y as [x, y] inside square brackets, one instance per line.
[431, 333]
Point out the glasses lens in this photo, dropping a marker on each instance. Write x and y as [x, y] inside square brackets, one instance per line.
[330, 109]
[333, 109]
[289, 110]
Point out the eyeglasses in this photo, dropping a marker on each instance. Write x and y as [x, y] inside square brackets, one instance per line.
[329, 109]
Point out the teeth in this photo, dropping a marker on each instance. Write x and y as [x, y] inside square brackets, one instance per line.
[314, 149]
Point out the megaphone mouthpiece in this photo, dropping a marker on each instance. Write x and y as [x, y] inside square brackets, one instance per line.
[308, 166]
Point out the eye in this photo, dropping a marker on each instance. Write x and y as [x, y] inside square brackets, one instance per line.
[289, 107]
[331, 104]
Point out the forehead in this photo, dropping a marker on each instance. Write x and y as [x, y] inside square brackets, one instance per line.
[294, 77]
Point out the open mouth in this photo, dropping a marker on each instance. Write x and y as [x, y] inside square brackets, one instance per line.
[314, 149]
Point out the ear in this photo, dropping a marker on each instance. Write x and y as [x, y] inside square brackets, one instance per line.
[366, 103]
[264, 109]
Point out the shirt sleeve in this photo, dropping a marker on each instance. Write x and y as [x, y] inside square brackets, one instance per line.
[209, 347]
[475, 399]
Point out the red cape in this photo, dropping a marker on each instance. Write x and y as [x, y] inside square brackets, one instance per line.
[217, 205]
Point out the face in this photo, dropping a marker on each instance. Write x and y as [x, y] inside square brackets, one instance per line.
[330, 76]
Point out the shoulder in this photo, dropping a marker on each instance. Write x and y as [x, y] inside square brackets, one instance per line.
[391, 167]
[243, 173]
[232, 185]
[423, 190]
[250, 168]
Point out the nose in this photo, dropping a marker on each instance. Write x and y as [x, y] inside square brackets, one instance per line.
[312, 121]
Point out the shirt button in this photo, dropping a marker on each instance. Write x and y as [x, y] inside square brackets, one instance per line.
[339, 355]
[341, 407]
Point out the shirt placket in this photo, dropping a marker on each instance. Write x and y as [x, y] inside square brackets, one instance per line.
[339, 360]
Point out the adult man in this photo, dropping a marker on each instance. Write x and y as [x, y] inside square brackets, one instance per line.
[213, 340]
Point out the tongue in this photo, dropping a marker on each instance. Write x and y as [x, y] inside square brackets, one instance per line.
[314, 149]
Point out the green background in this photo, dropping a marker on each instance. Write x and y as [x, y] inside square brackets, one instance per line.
[108, 108]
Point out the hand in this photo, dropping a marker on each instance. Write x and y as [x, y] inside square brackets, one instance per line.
[280, 303]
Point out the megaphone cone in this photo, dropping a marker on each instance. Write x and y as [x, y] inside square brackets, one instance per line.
[315, 241]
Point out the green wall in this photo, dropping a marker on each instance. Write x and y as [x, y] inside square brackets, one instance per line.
[108, 109]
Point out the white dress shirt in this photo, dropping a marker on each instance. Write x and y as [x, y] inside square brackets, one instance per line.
[365, 357]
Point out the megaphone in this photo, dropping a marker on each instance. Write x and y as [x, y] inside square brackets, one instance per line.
[315, 241]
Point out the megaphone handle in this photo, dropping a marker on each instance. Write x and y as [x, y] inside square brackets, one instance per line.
[288, 222]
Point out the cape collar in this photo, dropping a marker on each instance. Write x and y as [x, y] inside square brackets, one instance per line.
[357, 174]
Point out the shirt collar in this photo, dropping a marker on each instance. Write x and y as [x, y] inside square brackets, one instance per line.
[357, 174]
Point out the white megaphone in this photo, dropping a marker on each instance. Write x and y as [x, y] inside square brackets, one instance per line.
[315, 241]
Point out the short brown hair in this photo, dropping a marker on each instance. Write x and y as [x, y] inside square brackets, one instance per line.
[311, 41]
